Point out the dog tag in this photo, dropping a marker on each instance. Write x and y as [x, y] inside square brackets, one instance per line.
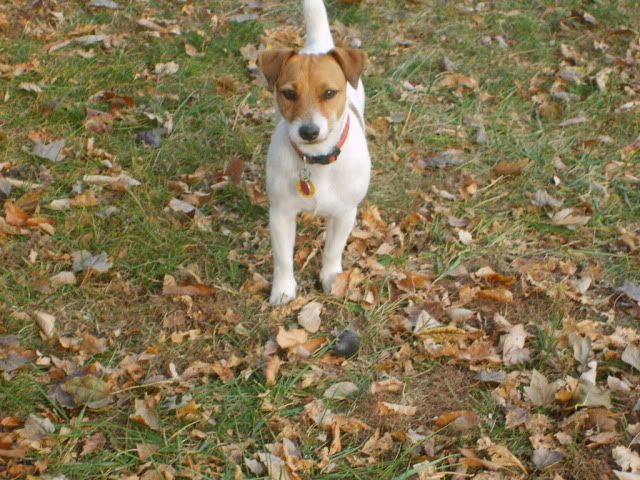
[306, 188]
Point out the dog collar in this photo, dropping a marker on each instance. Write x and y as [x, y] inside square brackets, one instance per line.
[329, 158]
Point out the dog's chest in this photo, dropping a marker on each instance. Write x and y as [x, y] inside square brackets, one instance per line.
[340, 185]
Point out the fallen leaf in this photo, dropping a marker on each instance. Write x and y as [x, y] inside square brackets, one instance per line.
[631, 290]
[170, 288]
[87, 390]
[341, 391]
[146, 450]
[181, 206]
[447, 158]
[62, 278]
[47, 324]
[15, 215]
[631, 356]
[36, 428]
[506, 168]
[540, 392]
[192, 51]
[13, 453]
[85, 261]
[543, 457]
[542, 199]
[513, 351]
[455, 80]
[459, 420]
[390, 385]
[164, 69]
[459, 315]
[52, 151]
[288, 339]
[272, 369]
[387, 408]
[501, 295]
[375, 446]
[465, 237]
[30, 87]
[503, 456]
[573, 121]
[146, 414]
[589, 395]
[309, 317]
[104, 4]
[93, 443]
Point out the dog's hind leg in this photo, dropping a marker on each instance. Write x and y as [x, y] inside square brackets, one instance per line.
[338, 230]
[283, 236]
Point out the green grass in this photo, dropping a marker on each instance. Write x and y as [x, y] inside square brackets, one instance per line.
[146, 242]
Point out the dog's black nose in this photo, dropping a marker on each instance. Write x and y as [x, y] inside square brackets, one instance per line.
[309, 132]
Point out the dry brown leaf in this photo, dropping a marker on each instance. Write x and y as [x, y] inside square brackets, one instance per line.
[459, 420]
[566, 218]
[412, 281]
[146, 413]
[15, 215]
[272, 369]
[288, 339]
[192, 51]
[503, 456]
[93, 443]
[390, 385]
[386, 408]
[170, 288]
[513, 351]
[146, 450]
[376, 445]
[501, 295]
[540, 391]
[255, 283]
[456, 80]
[341, 391]
[47, 323]
[309, 317]
[506, 168]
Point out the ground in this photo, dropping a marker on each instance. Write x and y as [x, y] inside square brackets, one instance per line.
[492, 279]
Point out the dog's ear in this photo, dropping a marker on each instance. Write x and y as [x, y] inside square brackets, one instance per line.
[352, 62]
[271, 63]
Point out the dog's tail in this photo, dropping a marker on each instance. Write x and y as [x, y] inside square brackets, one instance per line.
[319, 39]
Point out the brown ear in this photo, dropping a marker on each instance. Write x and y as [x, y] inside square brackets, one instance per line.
[271, 63]
[352, 61]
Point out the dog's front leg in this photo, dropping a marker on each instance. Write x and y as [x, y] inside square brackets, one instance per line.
[282, 224]
[338, 230]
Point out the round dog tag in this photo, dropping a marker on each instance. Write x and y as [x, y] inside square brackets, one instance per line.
[306, 188]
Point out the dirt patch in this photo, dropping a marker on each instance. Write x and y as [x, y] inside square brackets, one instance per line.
[444, 388]
[583, 464]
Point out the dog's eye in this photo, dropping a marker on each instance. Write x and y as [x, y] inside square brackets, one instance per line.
[289, 94]
[329, 94]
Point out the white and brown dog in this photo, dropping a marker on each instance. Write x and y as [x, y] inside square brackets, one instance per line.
[318, 160]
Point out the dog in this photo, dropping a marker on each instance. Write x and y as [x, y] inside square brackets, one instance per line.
[318, 160]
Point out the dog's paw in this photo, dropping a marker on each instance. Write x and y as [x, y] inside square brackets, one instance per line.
[282, 292]
[327, 278]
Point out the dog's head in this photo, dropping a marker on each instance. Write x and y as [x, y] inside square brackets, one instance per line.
[311, 90]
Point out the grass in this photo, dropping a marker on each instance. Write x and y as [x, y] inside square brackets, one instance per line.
[212, 129]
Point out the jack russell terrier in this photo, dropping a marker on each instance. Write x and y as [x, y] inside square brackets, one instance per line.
[318, 160]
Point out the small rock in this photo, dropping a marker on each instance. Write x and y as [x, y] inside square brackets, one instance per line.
[153, 138]
[347, 344]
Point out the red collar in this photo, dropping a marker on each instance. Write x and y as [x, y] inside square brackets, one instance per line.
[331, 156]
